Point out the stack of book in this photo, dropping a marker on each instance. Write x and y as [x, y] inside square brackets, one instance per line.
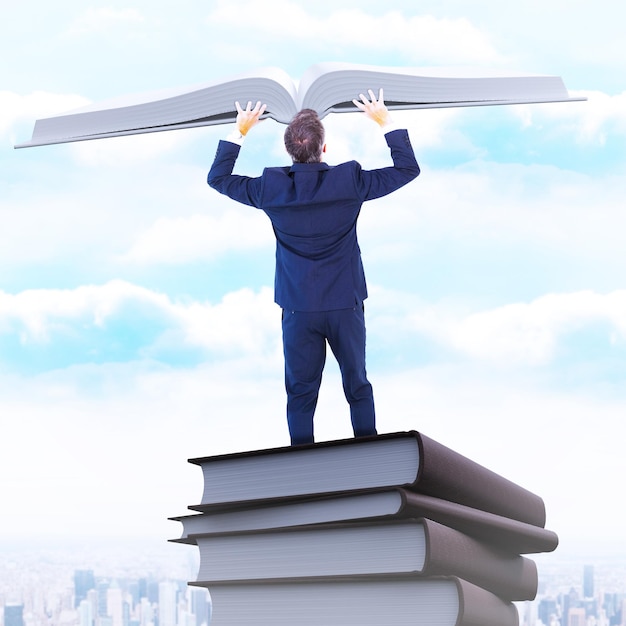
[391, 530]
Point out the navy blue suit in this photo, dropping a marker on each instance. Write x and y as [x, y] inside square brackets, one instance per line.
[319, 280]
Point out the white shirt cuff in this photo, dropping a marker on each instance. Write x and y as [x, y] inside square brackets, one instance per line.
[235, 137]
[390, 127]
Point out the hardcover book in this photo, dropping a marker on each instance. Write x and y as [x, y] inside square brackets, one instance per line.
[389, 601]
[406, 459]
[363, 549]
[503, 533]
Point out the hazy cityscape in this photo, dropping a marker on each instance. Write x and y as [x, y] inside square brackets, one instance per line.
[119, 584]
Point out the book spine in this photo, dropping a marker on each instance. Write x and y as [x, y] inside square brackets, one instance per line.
[505, 534]
[447, 474]
[479, 607]
[513, 577]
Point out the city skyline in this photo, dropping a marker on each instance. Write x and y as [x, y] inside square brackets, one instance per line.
[146, 594]
[137, 323]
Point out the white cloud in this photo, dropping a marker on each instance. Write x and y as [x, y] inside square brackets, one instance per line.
[526, 333]
[248, 323]
[589, 122]
[200, 237]
[16, 108]
[419, 38]
[42, 312]
[243, 322]
[104, 18]
[121, 152]
[93, 201]
[481, 206]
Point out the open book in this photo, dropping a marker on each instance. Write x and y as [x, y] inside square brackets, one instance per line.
[326, 88]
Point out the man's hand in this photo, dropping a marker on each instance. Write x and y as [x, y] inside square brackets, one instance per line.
[249, 117]
[374, 109]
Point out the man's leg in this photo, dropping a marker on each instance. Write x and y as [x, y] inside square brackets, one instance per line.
[346, 336]
[304, 347]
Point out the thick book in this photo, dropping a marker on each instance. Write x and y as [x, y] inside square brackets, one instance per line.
[363, 550]
[503, 533]
[389, 601]
[325, 87]
[406, 459]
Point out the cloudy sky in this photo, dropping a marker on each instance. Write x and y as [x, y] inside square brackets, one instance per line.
[137, 323]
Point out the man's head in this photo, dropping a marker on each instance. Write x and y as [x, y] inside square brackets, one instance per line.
[304, 137]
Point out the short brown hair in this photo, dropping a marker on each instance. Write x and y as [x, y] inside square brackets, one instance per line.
[304, 137]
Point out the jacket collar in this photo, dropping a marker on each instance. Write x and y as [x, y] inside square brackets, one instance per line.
[308, 167]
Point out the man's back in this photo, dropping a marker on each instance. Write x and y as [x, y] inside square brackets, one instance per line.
[314, 208]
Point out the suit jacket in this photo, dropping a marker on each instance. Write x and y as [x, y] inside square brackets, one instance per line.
[314, 208]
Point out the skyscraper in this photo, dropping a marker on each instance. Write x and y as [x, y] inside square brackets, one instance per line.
[102, 587]
[115, 604]
[84, 581]
[588, 581]
[14, 615]
[547, 609]
[200, 605]
[576, 617]
[85, 613]
[167, 604]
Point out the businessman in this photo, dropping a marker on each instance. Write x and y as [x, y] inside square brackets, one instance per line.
[319, 280]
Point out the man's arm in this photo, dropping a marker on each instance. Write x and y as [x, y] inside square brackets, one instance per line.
[240, 188]
[380, 182]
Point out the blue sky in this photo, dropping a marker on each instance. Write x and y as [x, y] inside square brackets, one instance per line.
[137, 324]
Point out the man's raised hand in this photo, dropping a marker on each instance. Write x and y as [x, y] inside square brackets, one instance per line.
[248, 117]
[374, 109]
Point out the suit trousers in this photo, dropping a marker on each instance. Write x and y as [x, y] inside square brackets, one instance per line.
[305, 335]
